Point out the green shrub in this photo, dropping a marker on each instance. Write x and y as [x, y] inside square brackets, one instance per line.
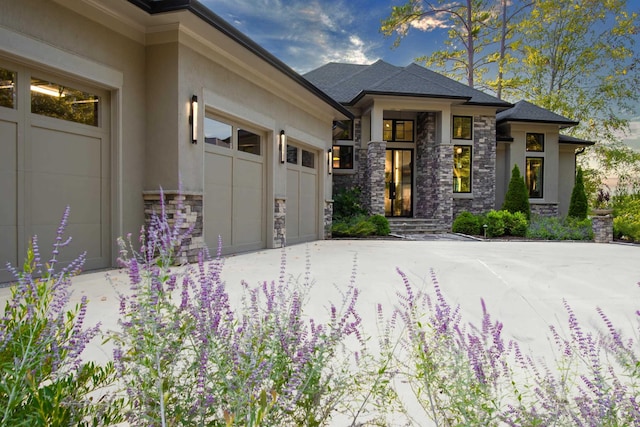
[517, 197]
[467, 223]
[516, 223]
[381, 223]
[347, 203]
[553, 228]
[626, 221]
[495, 224]
[578, 205]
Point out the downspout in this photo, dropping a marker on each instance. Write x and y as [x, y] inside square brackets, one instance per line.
[575, 160]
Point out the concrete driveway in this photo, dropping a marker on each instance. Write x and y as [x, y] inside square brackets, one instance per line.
[522, 283]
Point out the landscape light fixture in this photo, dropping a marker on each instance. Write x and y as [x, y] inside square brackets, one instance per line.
[193, 119]
[283, 147]
[329, 162]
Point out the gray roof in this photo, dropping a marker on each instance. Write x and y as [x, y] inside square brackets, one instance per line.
[566, 139]
[348, 83]
[524, 111]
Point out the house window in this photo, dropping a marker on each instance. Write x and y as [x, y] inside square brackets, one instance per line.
[342, 156]
[343, 130]
[248, 142]
[7, 88]
[308, 159]
[397, 130]
[292, 154]
[462, 127]
[462, 169]
[217, 133]
[535, 142]
[534, 177]
[227, 135]
[62, 102]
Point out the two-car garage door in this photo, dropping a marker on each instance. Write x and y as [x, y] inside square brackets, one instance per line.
[54, 152]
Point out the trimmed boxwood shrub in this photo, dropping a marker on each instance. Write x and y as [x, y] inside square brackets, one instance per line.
[495, 224]
[517, 197]
[381, 223]
[467, 223]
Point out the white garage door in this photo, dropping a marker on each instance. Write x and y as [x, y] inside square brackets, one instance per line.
[234, 202]
[54, 152]
[302, 195]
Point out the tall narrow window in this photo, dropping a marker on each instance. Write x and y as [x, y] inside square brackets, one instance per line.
[462, 169]
[397, 130]
[7, 88]
[462, 127]
[535, 176]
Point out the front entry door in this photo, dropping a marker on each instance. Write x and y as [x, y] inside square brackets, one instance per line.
[398, 180]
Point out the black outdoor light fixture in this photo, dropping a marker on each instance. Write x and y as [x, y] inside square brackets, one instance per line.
[283, 147]
[193, 119]
[329, 162]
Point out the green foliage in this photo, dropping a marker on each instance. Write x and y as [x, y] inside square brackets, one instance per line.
[43, 381]
[626, 220]
[495, 224]
[467, 223]
[517, 197]
[347, 203]
[381, 223]
[359, 226]
[578, 205]
[515, 224]
[553, 228]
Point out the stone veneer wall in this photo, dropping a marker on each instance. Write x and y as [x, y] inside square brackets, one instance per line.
[602, 228]
[189, 206]
[373, 191]
[484, 169]
[328, 218]
[434, 169]
[279, 223]
[544, 209]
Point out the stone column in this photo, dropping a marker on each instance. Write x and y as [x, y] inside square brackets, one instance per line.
[328, 218]
[279, 223]
[602, 228]
[188, 205]
[374, 191]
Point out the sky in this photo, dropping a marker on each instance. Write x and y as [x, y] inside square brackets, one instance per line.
[306, 34]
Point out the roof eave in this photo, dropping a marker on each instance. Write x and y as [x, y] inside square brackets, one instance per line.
[562, 124]
[364, 93]
[208, 16]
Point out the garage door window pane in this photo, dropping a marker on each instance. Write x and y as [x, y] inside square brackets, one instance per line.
[292, 154]
[217, 133]
[63, 102]
[308, 159]
[248, 142]
[7, 88]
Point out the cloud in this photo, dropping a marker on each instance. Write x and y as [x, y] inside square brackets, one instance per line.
[304, 34]
[431, 22]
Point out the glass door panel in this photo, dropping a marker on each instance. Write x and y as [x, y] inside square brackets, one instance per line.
[398, 181]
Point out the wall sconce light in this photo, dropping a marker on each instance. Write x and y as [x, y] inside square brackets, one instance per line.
[193, 119]
[283, 147]
[329, 162]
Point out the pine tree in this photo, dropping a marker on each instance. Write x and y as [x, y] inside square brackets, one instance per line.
[517, 197]
[578, 206]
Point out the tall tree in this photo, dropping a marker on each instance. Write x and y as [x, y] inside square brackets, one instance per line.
[469, 24]
[578, 60]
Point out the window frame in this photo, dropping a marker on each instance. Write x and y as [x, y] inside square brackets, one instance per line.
[527, 182]
[470, 167]
[234, 139]
[339, 166]
[347, 131]
[453, 128]
[394, 127]
[526, 142]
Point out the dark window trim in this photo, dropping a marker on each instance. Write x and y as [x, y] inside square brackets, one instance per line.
[393, 130]
[339, 147]
[453, 128]
[541, 196]
[470, 168]
[527, 137]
